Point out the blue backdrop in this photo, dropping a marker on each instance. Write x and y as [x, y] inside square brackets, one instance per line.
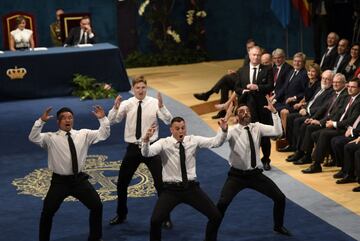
[228, 24]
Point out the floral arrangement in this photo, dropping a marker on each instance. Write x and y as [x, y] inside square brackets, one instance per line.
[169, 43]
[87, 88]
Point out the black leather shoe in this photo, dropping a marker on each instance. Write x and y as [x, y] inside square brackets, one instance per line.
[167, 224]
[339, 174]
[304, 160]
[356, 189]
[201, 96]
[117, 220]
[282, 230]
[346, 179]
[295, 157]
[266, 166]
[312, 169]
[220, 114]
[287, 148]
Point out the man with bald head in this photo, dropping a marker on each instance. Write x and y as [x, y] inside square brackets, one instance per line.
[330, 54]
[266, 59]
[343, 56]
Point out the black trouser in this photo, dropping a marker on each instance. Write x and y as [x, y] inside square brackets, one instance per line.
[357, 164]
[307, 144]
[337, 145]
[129, 165]
[224, 85]
[192, 195]
[351, 150]
[238, 180]
[322, 138]
[79, 187]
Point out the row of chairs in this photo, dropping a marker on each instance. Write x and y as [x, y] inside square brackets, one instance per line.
[67, 21]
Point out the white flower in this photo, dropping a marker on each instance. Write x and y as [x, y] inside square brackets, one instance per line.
[201, 14]
[107, 87]
[190, 17]
[143, 6]
[174, 35]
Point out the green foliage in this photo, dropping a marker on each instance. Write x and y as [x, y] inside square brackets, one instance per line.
[169, 44]
[87, 88]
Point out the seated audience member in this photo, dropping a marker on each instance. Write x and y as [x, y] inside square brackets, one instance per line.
[308, 106]
[336, 127]
[330, 110]
[266, 59]
[329, 56]
[343, 56]
[281, 70]
[55, 30]
[353, 62]
[293, 89]
[225, 84]
[82, 34]
[357, 165]
[343, 148]
[21, 38]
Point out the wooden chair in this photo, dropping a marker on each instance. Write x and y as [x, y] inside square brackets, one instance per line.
[9, 24]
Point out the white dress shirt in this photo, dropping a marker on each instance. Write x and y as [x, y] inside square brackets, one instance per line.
[240, 155]
[150, 112]
[57, 145]
[22, 37]
[168, 148]
[86, 37]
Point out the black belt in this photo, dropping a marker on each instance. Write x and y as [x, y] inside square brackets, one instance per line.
[80, 175]
[238, 172]
[180, 185]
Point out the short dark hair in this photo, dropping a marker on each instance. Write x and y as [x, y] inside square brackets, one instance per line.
[85, 17]
[177, 119]
[19, 19]
[62, 110]
[357, 80]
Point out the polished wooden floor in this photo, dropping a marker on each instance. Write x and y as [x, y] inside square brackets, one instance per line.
[181, 81]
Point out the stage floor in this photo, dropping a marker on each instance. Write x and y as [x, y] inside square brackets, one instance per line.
[181, 81]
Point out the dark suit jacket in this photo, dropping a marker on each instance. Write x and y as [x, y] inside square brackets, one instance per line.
[281, 79]
[74, 37]
[351, 115]
[329, 60]
[337, 109]
[294, 87]
[343, 63]
[324, 109]
[319, 101]
[256, 100]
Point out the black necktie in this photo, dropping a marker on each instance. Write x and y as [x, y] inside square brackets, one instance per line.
[252, 148]
[182, 163]
[138, 122]
[333, 100]
[254, 76]
[74, 161]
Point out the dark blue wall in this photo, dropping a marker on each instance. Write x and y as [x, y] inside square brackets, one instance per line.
[228, 24]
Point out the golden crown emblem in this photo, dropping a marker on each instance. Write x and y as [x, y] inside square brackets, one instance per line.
[16, 73]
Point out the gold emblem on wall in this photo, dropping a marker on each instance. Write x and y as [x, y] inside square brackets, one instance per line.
[103, 176]
[16, 73]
